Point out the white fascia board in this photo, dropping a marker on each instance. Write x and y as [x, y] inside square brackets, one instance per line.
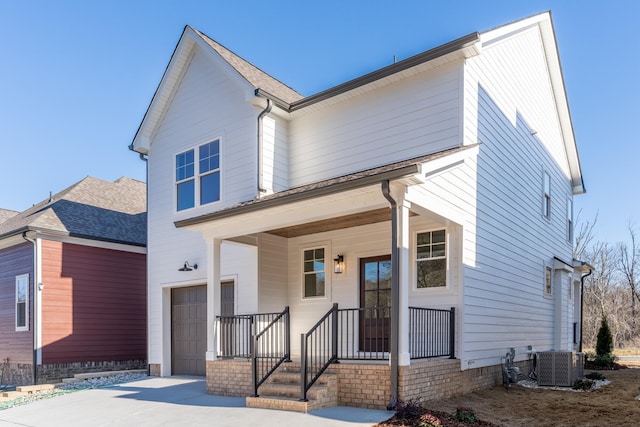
[188, 45]
[444, 164]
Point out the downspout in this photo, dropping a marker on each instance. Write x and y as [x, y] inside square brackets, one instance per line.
[395, 295]
[145, 159]
[582, 305]
[264, 112]
[35, 306]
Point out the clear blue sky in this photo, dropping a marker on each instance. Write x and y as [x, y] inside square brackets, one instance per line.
[76, 77]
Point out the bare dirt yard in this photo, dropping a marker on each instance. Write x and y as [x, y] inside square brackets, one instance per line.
[615, 404]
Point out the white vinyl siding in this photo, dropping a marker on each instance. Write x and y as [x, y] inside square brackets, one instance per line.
[416, 116]
[507, 97]
[207, 105]
[22, 302]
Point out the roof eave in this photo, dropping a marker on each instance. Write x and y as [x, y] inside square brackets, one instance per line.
[469, 45]
[395, 174]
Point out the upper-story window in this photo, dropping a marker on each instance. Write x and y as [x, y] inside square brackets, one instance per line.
[314, 272]
[22, 302]
[546, 201]
[547, 280]
[570, 219]
[431, 259]
[198, 182]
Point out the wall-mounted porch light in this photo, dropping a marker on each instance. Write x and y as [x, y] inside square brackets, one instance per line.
[338, 264]
[188, 267]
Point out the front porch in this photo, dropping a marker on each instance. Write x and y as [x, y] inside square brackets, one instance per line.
[343, 360]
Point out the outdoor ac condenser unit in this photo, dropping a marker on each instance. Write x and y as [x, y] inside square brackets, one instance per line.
[559, 368]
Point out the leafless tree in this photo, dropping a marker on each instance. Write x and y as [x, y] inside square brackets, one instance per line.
[630, 269]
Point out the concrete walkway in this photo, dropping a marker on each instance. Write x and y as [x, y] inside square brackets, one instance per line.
[176, 401]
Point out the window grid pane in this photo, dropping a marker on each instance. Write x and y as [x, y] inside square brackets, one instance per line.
[314, 272]
[431, 259]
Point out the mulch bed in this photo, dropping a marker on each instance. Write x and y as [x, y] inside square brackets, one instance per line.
[446, 420]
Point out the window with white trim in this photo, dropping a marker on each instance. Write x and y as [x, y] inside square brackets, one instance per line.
[431, 259]
[546, 200]
[570, 220]
[547, 280]
[314, 272]
[198, 182]
[22, 302]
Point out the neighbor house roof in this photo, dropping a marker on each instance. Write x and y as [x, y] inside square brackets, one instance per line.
[5, 214]
[92, 209]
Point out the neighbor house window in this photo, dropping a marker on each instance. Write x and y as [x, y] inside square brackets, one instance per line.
[314, 272]
[198, 182]
[546, 207]
[431, 259]
[570, 220]
[547, 280]
[22, 303]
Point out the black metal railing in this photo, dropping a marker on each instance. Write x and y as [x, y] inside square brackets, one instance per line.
[432, 332]
[271, 347]
[236, 333]
[363, 333]
[318, 350]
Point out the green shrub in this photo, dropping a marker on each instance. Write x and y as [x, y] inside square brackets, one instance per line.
[465, 415]
[604, 341]
[605, 360]
[595, 376]
[582, 384]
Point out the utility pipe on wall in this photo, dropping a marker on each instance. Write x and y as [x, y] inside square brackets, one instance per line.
[582, 305]
[395, 295]
[34, 326]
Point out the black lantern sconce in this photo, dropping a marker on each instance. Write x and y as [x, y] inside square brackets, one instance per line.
[338, 264]
[188, 267]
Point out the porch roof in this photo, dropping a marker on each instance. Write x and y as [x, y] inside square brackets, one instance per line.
[391, 171]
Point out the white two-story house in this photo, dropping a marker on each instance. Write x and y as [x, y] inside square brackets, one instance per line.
[413, 224]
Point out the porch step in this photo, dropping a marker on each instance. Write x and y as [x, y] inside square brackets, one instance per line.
[282, 391]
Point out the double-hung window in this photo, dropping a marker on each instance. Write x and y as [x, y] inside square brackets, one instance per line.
[22, 302]
[431, 259]
[569, 220]
[198, 182]
[314, 272]
[547, 280]
[546, 200]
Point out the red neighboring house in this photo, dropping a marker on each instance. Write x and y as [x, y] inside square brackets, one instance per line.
[73, 283]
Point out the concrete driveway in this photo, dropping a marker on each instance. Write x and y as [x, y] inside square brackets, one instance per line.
[176, 401]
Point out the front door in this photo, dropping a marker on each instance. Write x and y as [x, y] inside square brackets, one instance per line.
[375, 301]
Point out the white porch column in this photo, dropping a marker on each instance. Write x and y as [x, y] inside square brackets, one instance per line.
[404, 358]
[213, 293]
[404, 282]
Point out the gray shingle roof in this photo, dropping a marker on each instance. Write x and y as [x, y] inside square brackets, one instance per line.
[5, 214]
[93, 209]
[255, 76]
